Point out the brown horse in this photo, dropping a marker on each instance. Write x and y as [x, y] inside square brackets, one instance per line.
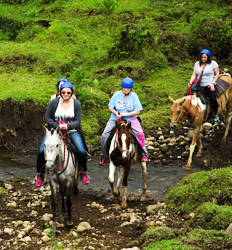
[196, 112]
[122, 152]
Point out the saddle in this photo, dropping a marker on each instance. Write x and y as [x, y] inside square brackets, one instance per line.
[133, 141]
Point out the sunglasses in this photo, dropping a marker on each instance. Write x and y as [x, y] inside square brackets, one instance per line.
[63, 92]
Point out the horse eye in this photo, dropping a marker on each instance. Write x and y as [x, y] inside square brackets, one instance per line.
[57, 145]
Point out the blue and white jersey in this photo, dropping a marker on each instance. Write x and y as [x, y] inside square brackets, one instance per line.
[124, 105]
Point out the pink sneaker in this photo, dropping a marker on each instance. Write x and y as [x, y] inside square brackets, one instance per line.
[39, 181]
[86, 179]
[103, 161]
[144, 158]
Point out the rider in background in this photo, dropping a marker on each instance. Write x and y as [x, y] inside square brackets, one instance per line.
[65, 112]
[208, 79]
[40, 156]
[128, 104]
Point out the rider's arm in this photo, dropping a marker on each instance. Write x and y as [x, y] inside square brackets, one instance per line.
[77, 119]
[132, 113]
[49, 116]
[114, 112]
[193, 77]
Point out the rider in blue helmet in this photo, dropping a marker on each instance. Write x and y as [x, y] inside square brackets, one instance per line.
[66, 85]
[206, 71]
[127, 83]
[205, 51]
[124, 104]
[61, 85]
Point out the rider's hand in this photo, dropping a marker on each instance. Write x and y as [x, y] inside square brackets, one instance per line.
[212, 87]
[189, 84]
[63, 126]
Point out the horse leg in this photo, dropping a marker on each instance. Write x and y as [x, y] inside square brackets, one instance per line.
[54, 205]
[63, 209]
[192, 147]
[125, 183]
[111, 179]
[200, 145]
[144, 171]
[227, 126]
[69, 205]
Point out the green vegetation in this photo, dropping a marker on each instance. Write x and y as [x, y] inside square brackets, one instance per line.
[204, 201]
[96, 43]
[195, 189]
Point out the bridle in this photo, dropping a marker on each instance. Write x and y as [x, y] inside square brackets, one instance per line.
[120, 121]
[63, 136]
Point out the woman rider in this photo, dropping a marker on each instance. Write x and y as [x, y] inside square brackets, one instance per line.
[65, 112]
[209, 77]
[128, 104]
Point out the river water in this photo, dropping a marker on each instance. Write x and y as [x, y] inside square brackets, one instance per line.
[160, 179]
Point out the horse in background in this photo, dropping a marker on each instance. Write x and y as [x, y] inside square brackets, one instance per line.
[62, 170]
[196, 112]
[122, 151]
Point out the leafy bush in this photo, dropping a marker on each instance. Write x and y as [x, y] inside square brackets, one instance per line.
[10, 28]
[108, 6]
[174, 47]
[211, 33]
[130, 41]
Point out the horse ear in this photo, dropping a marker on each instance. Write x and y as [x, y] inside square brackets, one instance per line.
[182, 101]
[58, 130]
[128, 125]
[45, 129]
[172, 100]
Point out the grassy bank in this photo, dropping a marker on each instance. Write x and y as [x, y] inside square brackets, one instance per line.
[96, 43]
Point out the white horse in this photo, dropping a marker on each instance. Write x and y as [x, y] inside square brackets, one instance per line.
[122, 151]
[60, 166]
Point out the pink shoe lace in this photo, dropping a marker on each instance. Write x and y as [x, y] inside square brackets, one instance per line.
[86, 179]
[39, 181]
[144, 158]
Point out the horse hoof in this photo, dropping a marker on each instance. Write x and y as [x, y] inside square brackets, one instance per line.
[123, 205]
[69, 223]
[223, 142]
[198, 155]
[114, 197]
[116, 194]
[187, 168]
[75, 190]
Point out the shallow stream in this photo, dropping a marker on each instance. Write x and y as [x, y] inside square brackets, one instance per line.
[160, 179]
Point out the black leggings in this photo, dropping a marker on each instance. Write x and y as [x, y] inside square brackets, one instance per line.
[212, 98]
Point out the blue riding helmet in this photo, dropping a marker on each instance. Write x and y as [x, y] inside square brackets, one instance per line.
[62, 80]
[206, 51]
[127, 83]
[66, 85]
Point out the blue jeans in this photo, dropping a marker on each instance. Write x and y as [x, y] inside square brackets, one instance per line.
[80, 148]
[40, 156]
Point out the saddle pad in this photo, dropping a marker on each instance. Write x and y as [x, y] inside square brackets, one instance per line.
[221, 87]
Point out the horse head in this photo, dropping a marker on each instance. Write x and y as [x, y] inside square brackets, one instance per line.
[124, 139]
[177, 111]
[51, 147]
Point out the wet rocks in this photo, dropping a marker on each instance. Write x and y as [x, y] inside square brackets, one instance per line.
[165, 146]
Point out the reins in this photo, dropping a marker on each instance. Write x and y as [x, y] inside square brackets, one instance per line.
[64, 134]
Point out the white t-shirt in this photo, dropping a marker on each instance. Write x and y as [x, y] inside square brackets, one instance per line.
[208, 73]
